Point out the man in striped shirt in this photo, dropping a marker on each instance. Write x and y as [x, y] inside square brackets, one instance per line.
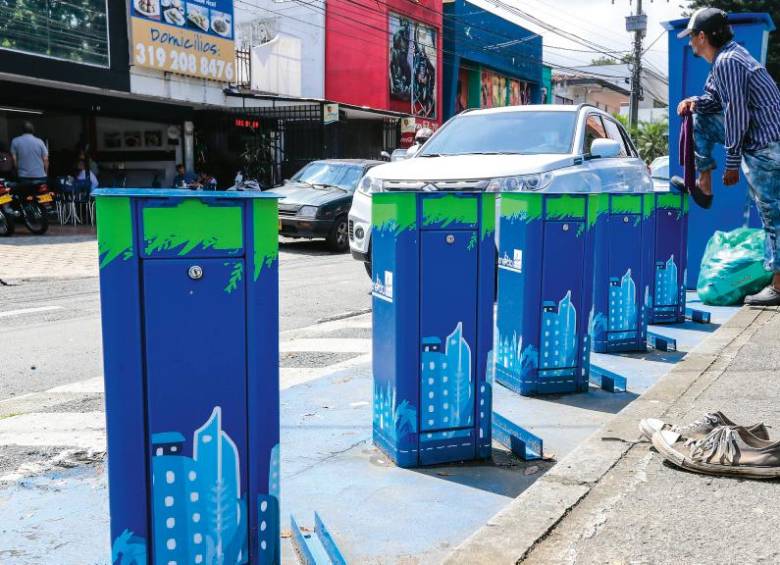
[740, 109]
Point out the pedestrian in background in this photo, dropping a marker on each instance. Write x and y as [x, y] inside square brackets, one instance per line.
[31, 157]
[740, 109]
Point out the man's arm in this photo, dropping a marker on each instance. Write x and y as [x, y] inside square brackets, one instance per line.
[45, 157]
[709, 102]
[736, 118]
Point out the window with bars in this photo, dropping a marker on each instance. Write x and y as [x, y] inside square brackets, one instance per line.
[72, 30]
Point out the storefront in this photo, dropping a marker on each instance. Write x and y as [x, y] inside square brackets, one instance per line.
[269, 138]
[488, 61]
[131, 142]
[386, 55]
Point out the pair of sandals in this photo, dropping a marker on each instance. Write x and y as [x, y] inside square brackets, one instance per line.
[700, 198]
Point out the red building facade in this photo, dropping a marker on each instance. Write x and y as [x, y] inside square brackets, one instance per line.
[386, 54]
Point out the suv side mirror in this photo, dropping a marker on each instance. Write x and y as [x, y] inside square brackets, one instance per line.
[385, 155]
[604, 148]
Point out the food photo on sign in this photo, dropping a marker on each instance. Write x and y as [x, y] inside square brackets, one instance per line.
[189, 37]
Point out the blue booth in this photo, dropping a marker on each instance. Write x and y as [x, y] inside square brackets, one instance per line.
[189, 298]
[623, 271]
[732, 206]
[668, 286]
[545, 292]
[434, 280]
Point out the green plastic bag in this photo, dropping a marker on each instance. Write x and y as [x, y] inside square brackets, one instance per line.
[732, 267]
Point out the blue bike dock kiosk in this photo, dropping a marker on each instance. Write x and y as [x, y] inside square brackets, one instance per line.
[434, 278]
[545, 292]
[189, 297]
[624, 236]
[668, 285]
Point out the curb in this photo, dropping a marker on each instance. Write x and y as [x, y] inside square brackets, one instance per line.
[510, 535]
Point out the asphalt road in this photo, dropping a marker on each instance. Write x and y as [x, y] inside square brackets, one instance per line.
[58, 341]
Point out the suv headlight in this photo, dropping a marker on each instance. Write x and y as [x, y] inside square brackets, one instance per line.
[520, 183]
[308, 211]
[370, 184]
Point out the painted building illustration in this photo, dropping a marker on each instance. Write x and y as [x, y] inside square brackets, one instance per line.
[559, 334]
[447, 384]
[623, 309]
[666, 287]
[512, 358]
[199, 515]
[393, 422]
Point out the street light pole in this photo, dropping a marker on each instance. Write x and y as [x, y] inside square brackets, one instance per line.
[639, 25]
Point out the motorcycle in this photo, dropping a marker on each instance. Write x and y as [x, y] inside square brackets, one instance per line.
[7, 224]
[32, 203]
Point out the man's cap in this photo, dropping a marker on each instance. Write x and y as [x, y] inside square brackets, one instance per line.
[705, 19]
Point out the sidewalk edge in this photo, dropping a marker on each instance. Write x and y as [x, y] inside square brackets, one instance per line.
[510, 535]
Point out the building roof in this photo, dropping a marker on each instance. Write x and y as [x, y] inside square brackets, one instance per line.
[618, 75]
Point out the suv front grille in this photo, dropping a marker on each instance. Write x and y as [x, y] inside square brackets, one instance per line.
[351, 230]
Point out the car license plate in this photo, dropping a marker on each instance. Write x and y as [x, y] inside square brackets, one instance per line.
[5, 199]
[44, 198]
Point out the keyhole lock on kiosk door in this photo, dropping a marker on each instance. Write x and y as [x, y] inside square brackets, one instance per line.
[195, 272]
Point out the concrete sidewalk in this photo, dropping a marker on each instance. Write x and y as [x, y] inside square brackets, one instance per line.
[614, 500]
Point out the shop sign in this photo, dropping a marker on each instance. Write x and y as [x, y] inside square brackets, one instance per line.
[330, 113]
[192, 37]
[408, 128]
[245, 123]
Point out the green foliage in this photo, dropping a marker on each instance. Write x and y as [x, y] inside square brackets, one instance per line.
[76, 30]
[770, 6]
[626, 58]
[651, 138]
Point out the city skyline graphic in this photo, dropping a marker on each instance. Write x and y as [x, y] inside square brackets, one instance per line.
[623, 310]
[198, 512]
[447, 385]
[558, 351]
[667, 289]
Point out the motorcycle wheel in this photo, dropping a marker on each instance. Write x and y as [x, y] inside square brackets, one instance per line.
[7, 225]
[34, 218]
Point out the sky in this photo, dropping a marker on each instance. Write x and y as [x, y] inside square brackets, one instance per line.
[599, 21]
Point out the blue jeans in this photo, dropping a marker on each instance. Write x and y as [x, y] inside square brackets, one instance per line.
[762, 169]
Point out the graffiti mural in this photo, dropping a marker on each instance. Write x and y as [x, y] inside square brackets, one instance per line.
[413, 65]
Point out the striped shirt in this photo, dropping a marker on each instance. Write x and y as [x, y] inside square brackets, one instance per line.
[741, 88]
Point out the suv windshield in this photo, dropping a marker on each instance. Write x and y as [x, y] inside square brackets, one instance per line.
[330, 174]
[526, 133]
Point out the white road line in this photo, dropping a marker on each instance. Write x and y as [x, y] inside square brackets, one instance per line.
[332, 345]
[10, 313]
[85, 430]
[289, 377]
[88, 386]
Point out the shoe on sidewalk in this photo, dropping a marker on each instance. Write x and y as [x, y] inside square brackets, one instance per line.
[770, 296]
[701, 199]
[697, 429]
[731, 451]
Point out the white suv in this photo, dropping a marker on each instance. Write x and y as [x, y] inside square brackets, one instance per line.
[517, 148]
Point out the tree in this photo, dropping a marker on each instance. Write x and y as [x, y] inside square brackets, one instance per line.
[770, 6]
[627, 58]
[652, 140]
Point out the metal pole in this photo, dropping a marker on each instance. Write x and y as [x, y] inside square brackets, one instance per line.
[636, 77]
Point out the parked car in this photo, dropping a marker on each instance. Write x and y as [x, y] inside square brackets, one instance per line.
[659, 170]
[552, 148]
[316, 200]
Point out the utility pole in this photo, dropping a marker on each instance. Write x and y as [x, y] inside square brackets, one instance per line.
[638, 24]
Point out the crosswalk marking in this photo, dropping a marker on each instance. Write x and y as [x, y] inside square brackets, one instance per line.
[10, 313]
